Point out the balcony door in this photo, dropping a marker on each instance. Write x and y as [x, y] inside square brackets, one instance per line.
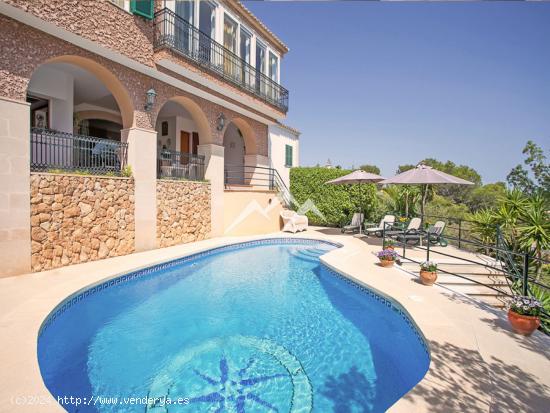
[260, 67]
[246, 42]
[183, 31]
[230, 64]
[274, 76]
[207, 26]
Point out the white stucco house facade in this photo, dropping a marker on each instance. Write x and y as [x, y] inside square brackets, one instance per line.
[284, 149]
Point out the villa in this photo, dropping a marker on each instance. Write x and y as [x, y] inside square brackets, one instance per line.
[179, 103]
[150, 259]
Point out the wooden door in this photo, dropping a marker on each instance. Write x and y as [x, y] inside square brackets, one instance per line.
[184, 146]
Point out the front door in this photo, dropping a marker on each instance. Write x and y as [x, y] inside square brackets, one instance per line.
[184, 147]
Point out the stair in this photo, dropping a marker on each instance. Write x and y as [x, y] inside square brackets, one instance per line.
[475, 273]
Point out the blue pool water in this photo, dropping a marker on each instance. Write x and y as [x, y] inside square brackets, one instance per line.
[257, 328]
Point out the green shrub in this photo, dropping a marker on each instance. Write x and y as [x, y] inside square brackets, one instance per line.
[336, 202]
[127, 171]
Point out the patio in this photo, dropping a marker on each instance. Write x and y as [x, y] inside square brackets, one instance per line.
[477, 362]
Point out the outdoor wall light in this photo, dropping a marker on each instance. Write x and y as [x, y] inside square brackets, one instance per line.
[150, 101]
[220, 122]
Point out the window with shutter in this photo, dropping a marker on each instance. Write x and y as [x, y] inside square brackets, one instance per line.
[288, 155]
[144, 8]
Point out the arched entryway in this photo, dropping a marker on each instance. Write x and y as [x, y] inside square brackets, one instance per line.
[181, 127]
[77, 111]
[239, 142]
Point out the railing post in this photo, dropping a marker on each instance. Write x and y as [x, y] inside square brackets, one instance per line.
[525, 281]
[459, 233]
[428, 247]
[404, 242]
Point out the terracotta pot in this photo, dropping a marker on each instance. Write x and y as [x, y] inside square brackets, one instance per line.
[428, 277]
[523, 324]
[389, 247]
[386, 263]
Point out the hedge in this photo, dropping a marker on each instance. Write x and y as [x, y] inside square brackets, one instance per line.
[336, 202]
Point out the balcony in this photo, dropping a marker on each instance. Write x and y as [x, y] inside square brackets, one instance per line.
[179, 35]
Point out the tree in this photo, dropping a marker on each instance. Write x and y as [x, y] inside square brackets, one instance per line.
[486, 196]
[539, 169]
[373, 169]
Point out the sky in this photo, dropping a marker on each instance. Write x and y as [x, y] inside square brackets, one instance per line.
[390, 83]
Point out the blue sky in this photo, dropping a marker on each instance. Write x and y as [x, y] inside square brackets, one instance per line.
[392, 83]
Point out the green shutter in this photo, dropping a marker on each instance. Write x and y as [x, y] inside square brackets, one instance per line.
[144, 8]
[288, 155]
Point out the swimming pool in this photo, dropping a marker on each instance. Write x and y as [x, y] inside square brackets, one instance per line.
[256, 327]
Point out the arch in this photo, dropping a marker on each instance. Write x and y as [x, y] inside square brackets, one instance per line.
[251, 147]
[111, 82]
[198, 115]
[98, 114]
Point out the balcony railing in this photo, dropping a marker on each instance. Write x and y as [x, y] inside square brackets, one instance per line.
[178, 34]
[55, 150]
[180, 165]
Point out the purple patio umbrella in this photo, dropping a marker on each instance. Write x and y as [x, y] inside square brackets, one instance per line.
[425, 175]
[357, 177]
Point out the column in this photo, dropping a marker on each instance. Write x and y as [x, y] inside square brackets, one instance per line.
[142, 157]
[214, 161]
[15, 211]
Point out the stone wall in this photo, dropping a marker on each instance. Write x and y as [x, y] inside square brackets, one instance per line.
[76, 219]
[183, 212]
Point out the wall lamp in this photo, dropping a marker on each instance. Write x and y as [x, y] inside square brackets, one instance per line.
[220, 122]
[150, 100]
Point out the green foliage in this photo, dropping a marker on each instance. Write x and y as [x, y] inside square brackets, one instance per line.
[486, 196]
[401, 199]
[539, 168]
[483, 224]
[127, 171]
[373, 169]
[444, 207]
[336, 202]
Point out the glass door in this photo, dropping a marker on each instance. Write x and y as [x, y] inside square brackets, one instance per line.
[260, 67]
[230, 64]
[246, 42]
[274, 76]
[183, 32]
[207, 26]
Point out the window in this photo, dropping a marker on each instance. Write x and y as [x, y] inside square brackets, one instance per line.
[183, 35]
[246, 40]
[260, 57]
[273, 67]
[144, 8]
[288, 156]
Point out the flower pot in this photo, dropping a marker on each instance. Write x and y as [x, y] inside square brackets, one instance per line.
[386, 263]
[389, 247]
[523, 324]
[428, 277]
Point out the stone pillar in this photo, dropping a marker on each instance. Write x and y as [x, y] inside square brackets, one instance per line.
[257, 177]
[142, 157]
[15, 209]
[214, 161]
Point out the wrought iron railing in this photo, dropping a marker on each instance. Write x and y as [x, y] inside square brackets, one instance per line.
[261, 177]
[180, 165]
[55, 150]
[176, 33]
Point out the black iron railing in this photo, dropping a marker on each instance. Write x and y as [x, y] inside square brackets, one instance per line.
[180, 165]
[178, 34]
[517, 267]
[55, 150]
[262, 177]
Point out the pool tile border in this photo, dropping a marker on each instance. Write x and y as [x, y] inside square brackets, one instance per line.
[134, 275]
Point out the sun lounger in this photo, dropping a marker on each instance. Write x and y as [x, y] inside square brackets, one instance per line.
[293, 222]
[355, 224]
[385, 223]
[434, 235]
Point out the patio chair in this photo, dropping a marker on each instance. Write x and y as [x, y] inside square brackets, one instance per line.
[412, 228]
[293, 222]
[355, 224]
[386, 222]
[434, 235]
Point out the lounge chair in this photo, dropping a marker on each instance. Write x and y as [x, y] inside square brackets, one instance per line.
[292, 222]
[412, 228]
[434, 235]
[355, 224]
[385, 223]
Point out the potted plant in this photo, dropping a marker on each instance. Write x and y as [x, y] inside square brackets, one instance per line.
[387, 257]
[389, 244]
[524, 314]
[428, 272]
